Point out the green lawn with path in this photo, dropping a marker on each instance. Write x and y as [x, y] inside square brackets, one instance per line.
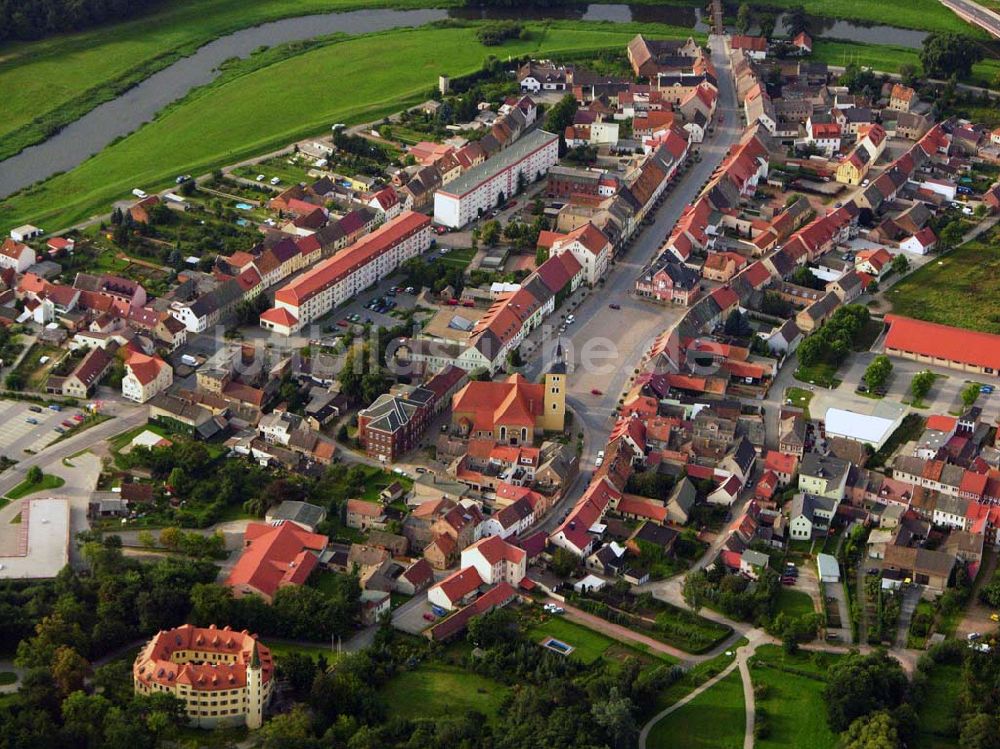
[793, 702]
[715, 719]
[588, 644]
[249, 113]
[27, 487]
[436, 691]
[962, 288]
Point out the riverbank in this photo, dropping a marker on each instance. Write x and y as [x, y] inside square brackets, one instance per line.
[351, 81]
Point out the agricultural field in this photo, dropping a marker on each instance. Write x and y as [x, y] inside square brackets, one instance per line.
[715, 719]
[960, 289]
[245, 114]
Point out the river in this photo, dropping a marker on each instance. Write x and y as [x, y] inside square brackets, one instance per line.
[97, 129]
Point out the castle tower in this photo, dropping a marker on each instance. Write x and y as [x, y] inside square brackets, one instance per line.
[555, 394]
[255, 691]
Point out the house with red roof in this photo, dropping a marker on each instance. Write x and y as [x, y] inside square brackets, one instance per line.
[920, 243]
[274, 556]
[755, 47]
[823, 135]
[943, 345]
[803, 42]
[590, 248]
[873, 262]
[496, 561]
[145, 376]
[458, 589]
[16, 255]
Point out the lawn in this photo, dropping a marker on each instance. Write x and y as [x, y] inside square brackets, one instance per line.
[715, 719]
[7, 678]
[927, 15]
[588, 644]
[793, 703]
[800, 398]
[794, 602]
[54, 81]
[962, 288]
[888, 58]
[822, 374]
[437, 691]
[250, 113]
[936, 723]
[26, 487]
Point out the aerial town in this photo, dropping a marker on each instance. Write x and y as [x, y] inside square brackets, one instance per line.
[610, 376]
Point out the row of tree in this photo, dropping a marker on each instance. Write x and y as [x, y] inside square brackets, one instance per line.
[34, 19]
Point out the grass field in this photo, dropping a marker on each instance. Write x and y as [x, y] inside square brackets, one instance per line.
[936, 724]
[438, 691]
[588, 645]
[26, 487]
[56, 80]
[794, 602]
[251, 113]
[964, 290]
[793, 703]
[800, 398]
[889, 58]
[927, 15]
[715, 719]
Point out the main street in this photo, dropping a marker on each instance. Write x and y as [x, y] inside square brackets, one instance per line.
[633, 328]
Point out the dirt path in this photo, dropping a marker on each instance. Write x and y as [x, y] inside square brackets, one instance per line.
[623, 634]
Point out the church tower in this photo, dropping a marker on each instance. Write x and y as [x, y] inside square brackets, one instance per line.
[255, 691]
[554, 382]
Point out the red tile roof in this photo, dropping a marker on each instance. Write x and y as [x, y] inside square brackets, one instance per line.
[275, 556]
[943, 342]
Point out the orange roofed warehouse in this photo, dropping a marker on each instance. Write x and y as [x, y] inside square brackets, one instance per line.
[337, 279]
[943, 345]
[223, 677]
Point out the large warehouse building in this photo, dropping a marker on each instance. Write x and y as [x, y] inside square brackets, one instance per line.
[479, 189]
[943, 345]
[334, 281]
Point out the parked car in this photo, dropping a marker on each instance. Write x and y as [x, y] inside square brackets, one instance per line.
[35, 409]
[32, 420]
[60, 430]
[613, 305]
[261, 177]
[595, 391]
[275, 180]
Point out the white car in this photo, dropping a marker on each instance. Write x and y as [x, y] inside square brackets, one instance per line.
[570, 319]
[261, 177]
[275, 180]
[600, 459]
[139, 193]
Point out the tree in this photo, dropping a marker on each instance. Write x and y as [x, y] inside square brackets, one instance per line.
[877, 373]
[615, 715]
[564, 562]
[909, 74]
[947, 54]
[34, 475]
[541, 255]
[970, 394]
[900, 264]
[487, 630]
[490, 233]
[737, 324]
[299, 670]
[875, 731]
[796, 21]
[146, 539]
[170, 538]
[981, 731]
[744, 18]
[921, 384]
[69, 669]
[766, 22]
[859, 685]
[811, 351]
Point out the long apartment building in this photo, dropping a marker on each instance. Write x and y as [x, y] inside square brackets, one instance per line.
[479, 189]
[334, 281]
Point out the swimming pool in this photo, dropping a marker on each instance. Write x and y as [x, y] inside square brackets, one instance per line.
[242, 222]
[244, 206]
[557, 645]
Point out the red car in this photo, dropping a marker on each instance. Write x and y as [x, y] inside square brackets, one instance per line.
[595, 391]
[429, 616]
[452, 302]
[78, 417]
[67, 424]
[343, 323]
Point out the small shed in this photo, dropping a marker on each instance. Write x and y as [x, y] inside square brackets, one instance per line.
[829, 568]
[589, 583]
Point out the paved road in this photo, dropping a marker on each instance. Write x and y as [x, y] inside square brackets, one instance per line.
[975, 14]
[626, 334]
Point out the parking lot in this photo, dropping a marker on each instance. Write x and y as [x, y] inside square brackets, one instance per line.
[18, 434]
